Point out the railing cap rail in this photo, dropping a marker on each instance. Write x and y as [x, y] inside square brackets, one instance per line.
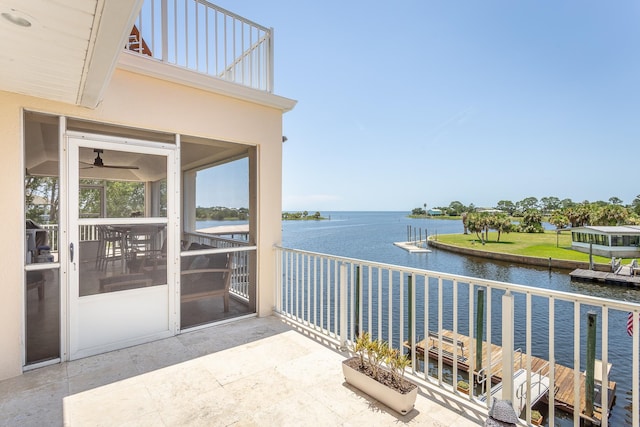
[542, 292]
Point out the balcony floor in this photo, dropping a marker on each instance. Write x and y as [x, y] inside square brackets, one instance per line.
[249, 372]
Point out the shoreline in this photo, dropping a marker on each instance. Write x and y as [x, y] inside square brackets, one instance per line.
[520, 259]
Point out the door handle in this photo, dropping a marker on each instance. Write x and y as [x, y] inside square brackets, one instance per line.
[71, 251]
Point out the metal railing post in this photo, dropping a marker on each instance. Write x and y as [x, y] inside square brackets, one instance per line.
[507, 345]
[165, 31]
[343, 306]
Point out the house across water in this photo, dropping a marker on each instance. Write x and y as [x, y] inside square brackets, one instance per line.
[609, 241]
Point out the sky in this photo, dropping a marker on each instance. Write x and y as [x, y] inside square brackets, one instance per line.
[413, 102]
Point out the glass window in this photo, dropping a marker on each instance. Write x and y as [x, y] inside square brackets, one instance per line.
[42, 203]
[217, 284]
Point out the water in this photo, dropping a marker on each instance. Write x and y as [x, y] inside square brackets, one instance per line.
[370, 235]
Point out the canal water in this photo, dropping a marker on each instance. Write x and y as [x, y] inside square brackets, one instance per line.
[370, 235]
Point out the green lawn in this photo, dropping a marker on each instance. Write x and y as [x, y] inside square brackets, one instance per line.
[528, 244]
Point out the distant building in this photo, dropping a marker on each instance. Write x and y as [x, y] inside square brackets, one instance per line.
[609, 241]
[435, 212]
[488, 210]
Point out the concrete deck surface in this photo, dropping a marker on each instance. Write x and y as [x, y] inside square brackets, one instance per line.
[253, 372]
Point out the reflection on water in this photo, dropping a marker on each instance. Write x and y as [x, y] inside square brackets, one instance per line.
[370, 236]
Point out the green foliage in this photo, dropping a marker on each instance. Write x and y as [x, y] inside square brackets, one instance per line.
[296, 216]
[418, 212]
[376, 354]
[373, 354]
[220, 213]
[455, 208]
[559, 220]
[361, 345]
[463, 385]
[42, 199]
[506, 206]
[124, 199]
[397, 363]
[531, 222]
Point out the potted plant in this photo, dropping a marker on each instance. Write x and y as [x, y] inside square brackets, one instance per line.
[536, 417]
[463, 387]
[378, 371]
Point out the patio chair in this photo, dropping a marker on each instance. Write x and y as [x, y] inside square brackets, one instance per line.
[110, 247]
[124, 282]
[206, 276]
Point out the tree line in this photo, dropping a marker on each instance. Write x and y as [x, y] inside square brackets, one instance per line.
[545, 205]
[221, 213]
[289, 216]
[531, 212]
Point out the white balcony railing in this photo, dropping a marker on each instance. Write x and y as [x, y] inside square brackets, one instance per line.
[203, 37]
[339, 297]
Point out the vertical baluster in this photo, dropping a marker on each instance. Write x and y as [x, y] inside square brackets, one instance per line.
[297, 285]
[529, 354]
[197, 28]
[307, 275]
[552, 362]
[635, 370]
[242, 46]
[315, 291]
[440, 310]
[401, 316]
[370, 298]
[322, 296]
[216, 42]
[412, 321]
[488, 362]
[336, 294]
[604, 393]
[390, 307]
[186, 34]
[285, 291]
[206, 40]
[343, 305]
[455, 334]
[426, 327]
[278, 281]
[576, 364]
[379, 302]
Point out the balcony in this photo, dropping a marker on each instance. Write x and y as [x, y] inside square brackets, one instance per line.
[547, 347]
[199, 36]
[286, 368]
[250, 372]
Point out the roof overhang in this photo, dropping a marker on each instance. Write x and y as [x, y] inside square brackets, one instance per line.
[65, 50]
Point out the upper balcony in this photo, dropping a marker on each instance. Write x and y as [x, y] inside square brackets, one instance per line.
[199, 36]
[67, 51]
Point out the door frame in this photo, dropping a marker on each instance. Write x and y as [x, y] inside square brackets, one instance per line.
[69, 279]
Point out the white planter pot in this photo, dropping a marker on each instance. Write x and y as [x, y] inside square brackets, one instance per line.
[399, 402]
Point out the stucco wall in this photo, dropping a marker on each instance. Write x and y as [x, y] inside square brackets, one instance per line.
[143, 102]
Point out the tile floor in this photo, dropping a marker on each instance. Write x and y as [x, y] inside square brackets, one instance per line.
[252, 372]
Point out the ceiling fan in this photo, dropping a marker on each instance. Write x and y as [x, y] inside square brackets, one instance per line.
[98, 163]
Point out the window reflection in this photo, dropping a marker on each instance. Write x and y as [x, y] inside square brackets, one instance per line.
[121, 257]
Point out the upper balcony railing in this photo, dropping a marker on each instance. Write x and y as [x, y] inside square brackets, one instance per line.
[544, 338]
[203, 37]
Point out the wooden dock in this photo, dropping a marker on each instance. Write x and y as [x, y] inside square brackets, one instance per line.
[413, 247]
[604, 277]
[563, 385]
